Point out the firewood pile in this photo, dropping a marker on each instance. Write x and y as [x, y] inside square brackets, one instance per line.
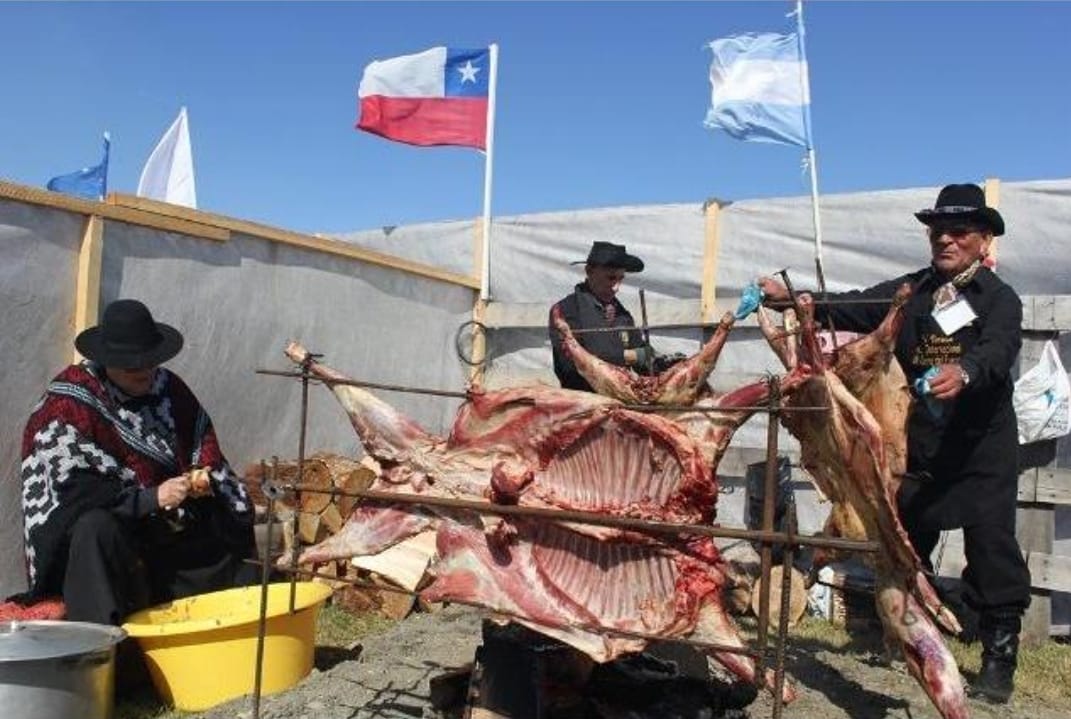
[743, 588]
[317, 515]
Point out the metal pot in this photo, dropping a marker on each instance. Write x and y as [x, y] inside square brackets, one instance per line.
[55, 670]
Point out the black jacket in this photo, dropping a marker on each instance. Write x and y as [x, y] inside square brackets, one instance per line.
[966, 458]
[582, 310]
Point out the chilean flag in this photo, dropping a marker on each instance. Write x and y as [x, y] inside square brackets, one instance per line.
[435, 97]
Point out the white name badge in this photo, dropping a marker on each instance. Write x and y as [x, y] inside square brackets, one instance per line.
[954, 316]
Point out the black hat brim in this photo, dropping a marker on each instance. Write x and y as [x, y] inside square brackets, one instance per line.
[626, 262]
[90, 343]
[986, 215]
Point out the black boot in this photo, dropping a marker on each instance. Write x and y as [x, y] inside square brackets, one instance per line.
[1000, 651]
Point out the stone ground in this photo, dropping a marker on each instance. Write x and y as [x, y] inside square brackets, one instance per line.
[388, 677]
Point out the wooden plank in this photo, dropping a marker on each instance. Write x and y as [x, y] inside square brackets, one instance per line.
[1035, 530]
[295, 239]
[711, 244]
[87, 281]
[991, 188]
[59, 201]
[1050, 572]
[1045, 485]
[1047, 313]
[533, 315]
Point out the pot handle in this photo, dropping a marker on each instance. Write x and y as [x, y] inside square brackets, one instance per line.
[87, 659]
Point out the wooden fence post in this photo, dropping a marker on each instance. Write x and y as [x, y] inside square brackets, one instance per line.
[992, 199]
[87, 282]
[709, 280]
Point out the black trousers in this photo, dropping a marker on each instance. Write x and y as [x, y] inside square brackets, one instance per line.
[996, 581]
[112, 571]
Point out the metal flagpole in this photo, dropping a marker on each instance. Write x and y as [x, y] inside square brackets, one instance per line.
[812, 162]
[485, 274]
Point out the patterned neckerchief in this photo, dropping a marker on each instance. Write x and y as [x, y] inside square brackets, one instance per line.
[949, 289]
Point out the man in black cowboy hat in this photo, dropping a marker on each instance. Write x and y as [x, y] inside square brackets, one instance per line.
[963, 332]
[127, 499]
[593, 304]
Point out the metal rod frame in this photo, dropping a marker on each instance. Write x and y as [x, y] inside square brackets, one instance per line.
[594, 518]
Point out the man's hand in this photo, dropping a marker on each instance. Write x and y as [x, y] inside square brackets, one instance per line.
[774, 294]
[639, 357]
[948, 382]
[173, 492]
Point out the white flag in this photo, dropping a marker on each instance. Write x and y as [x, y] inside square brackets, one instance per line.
[168, 173]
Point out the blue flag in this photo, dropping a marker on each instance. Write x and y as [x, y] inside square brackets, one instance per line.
[89, 182]
[759, 89]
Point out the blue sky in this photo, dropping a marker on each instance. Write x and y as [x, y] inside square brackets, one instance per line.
[599, 103]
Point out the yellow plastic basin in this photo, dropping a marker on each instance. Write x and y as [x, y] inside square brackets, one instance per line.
[202, 650]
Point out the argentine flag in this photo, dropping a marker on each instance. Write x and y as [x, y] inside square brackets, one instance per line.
[759, 89]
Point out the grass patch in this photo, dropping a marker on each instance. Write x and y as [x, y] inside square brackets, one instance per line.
[819, 630]
[1044, 673]
[337, 627]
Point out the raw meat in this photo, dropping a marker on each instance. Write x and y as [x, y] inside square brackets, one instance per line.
[546, 447]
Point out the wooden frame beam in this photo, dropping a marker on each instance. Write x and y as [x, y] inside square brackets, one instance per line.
[991, 188]
[133, 216]
[288, 237]
[711, 243]
[87, 281]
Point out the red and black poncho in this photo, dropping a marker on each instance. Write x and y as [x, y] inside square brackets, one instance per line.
[88, 445]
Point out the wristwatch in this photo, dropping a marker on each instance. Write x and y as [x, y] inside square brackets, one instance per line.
[965, 376]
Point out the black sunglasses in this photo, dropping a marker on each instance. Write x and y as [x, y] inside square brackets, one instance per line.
[954, 230]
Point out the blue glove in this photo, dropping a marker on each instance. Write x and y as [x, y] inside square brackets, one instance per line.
[922, 389]
[749, 301]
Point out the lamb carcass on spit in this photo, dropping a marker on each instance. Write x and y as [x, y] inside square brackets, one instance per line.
[855, 453]
[546, 447]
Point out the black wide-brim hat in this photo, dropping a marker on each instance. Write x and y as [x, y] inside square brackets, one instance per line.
[129, 338]
[607, 254]
[962, 203]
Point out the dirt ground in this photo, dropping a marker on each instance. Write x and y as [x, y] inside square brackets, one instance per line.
[388, 676]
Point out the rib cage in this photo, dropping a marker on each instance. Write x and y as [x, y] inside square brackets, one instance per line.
[611, 469]
[614, 581]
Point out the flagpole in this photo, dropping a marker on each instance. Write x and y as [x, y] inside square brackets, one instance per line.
[812, 160]
[485, 261]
